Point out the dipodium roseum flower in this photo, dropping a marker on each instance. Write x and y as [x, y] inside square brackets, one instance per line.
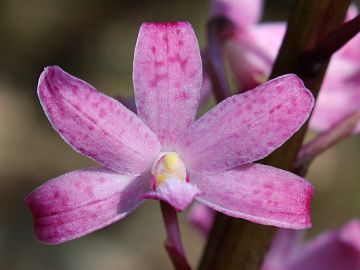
[252, 49]
[161, 153]
[333, 250]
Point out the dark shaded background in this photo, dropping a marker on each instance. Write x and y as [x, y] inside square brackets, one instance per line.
[94, 40]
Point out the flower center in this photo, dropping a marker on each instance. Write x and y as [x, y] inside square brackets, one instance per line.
[168, 165]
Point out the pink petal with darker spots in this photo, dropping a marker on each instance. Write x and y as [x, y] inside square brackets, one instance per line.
[177, 193]
[205, 94]
[167, 78]
[83, 201]
[96, 125]
[246, 127]
[242, 12]
[258, 193]
[333, 250]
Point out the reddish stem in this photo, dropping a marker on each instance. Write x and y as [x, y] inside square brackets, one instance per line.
[336, 39]
[173, 244]
[338, 132]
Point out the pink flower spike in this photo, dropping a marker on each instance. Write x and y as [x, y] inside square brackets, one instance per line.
[242, 12]
[96, 125]
[258, 193]
[246, 127]
[82, 201]
[333, 250]
[177, 193]
[167, 78]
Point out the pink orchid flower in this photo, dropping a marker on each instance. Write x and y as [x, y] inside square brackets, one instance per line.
[161, 153]
[333, 250]
[252, 49]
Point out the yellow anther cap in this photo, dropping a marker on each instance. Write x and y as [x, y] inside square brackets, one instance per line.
[171, 161]
[168, 165]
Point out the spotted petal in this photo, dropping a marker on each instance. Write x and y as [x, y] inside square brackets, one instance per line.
[246, 127]
[258, 193]
[83, 201]
[167, 78]
[96, 125]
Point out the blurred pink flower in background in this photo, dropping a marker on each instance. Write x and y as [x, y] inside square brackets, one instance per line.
[201, 217]
[333, 250]
[252, 49]
[163, 154]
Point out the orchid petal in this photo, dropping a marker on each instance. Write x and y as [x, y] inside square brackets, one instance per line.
[246, 127]
[177, 193]
[251, 53]
[352, 12]
[205, 93]
[350, 51]
[285, 246]
[241, 12]
[339, 97]
[96, 125]
[167, 78]
[201, 217]
[258, 193]
[83, 201]
[334, 250]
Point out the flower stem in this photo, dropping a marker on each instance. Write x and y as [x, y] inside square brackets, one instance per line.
[336, 39]
[323, 141]
[173, 244]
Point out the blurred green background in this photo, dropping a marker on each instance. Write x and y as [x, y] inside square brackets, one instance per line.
[94, 40]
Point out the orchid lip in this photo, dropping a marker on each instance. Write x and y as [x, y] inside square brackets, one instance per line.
[167, 165]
